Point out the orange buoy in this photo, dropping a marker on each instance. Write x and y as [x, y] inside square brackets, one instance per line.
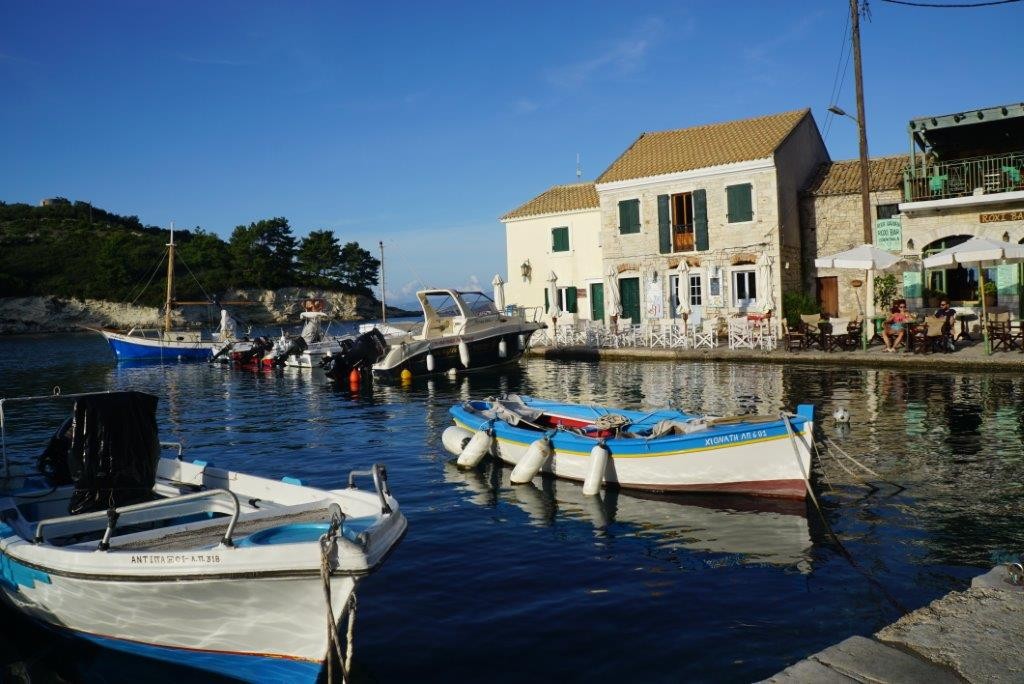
[354, 377]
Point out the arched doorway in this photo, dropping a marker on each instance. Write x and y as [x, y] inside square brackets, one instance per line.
[956, 284]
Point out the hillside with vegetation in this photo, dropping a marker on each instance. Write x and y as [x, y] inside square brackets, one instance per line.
[74, 250]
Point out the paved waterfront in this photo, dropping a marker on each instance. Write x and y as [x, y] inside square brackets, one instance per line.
[969, 356]
[971, 635]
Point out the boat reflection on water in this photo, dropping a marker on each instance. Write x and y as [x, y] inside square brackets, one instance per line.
[748, 530]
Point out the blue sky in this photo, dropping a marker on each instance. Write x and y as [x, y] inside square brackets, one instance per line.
[420, 123]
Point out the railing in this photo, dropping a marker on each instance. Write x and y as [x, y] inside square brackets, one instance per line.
[965, 177]
[682, 237]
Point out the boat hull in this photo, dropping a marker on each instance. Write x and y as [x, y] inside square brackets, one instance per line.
[484, 352]
[750, 459]
[134, 348]
[205, 625]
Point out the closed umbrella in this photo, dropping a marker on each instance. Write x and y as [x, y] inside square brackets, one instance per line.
[869, 259]
[978, 250]
[499, 292]
[553, 309]
[764, 280]
[683, 291]
[612, 300]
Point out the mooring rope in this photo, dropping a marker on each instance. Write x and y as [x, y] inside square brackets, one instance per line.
[328, 543]
[828, 527]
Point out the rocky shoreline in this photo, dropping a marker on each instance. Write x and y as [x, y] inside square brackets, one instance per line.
[41, 314]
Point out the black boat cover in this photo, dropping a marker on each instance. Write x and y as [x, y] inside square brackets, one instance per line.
[108, 449]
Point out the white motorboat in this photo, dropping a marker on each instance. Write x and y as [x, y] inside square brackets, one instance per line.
[460, 331]
[184, 562]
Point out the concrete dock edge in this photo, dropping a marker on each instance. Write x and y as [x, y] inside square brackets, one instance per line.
[965, 636]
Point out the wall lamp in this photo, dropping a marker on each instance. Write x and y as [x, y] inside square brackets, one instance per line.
[526, 270]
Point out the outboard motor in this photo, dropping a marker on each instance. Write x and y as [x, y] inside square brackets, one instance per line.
[285, 347]
[251, 356]
[108, 448]
[359, 352]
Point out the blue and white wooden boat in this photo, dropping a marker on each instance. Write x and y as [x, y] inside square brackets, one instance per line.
[140, 344]
[168, 344]
[213, 569]
[663, 450]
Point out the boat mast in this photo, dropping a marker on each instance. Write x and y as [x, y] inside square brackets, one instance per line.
[170, 282]
[383, 292]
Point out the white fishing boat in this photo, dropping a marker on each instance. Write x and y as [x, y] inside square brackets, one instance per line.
[181, 561]
[460, 331]
[663, 450]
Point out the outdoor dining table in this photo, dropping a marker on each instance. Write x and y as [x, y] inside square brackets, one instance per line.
[965, 325]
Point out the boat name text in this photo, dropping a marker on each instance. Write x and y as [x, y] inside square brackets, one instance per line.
[175, 559]
[729, 439]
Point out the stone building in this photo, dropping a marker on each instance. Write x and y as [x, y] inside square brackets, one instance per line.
[832, 219]
[963, 178]
[720, 196]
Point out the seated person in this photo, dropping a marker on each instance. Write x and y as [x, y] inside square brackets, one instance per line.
[896, 324]
[944, 310]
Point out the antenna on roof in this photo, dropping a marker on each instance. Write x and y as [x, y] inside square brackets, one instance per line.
[579, 172]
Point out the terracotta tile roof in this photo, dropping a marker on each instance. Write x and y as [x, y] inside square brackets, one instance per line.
[685, 149]
[557, 199]
[843, 177]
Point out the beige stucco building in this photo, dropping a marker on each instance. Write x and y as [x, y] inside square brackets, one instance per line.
[557, 232]
[720, 196]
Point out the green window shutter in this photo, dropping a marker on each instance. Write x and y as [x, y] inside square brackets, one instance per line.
[739, 203]
[547, 304]
[560, 239]
[700, 219]
[629, 216]
[570, 299]
[664, 226]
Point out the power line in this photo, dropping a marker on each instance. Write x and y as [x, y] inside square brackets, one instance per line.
[956, 5]
[840, 68]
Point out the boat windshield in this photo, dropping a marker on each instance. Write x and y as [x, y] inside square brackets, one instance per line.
[478, 303]
[443, 304]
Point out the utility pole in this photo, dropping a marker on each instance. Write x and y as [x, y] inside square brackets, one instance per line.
[865, 188]
[383, 291]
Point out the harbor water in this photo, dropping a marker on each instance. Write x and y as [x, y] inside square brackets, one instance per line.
[503, 583]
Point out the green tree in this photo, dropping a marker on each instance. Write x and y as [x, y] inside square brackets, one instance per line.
[359, 268]
[262, 254]
[209, 259]
[319, 259]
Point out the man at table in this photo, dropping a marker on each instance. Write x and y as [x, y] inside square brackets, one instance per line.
[947, 312]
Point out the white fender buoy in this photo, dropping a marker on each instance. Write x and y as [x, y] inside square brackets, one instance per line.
[455, 439]
[502, 349]
[522, 343]
[464, 353]
[430, 362]
[841, 415]
[532, 460]
[477, 448]
[598, 462]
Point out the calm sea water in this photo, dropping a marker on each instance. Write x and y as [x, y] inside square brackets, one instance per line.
[538, 583]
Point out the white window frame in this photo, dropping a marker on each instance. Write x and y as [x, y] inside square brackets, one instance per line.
[747, 274]
[700, 290]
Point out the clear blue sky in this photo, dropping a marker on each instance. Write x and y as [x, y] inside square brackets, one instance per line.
[420, 123]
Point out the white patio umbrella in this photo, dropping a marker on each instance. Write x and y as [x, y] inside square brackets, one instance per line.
[499, 292]
[978, 250]
[764, 283]
[553, 309]
[869, 259]
[613, 302]
[683, 292]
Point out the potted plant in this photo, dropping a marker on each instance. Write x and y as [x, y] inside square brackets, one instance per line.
[885, 291]
[990, 294]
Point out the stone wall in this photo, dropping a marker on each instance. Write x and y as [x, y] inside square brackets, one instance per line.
[56, 314]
